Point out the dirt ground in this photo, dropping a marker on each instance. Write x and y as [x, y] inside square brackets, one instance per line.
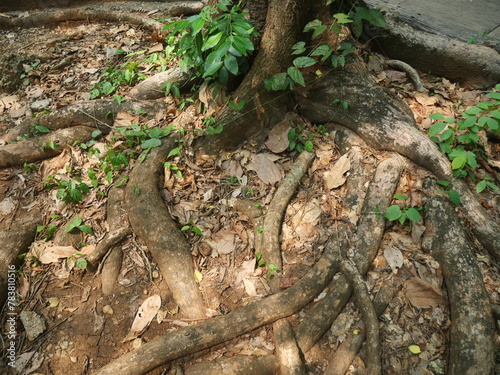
[84, 329]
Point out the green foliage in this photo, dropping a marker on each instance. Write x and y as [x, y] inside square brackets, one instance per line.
[298, 141]
[262, 263]
[193, 228]
[80, 261]
[460, 140]
[214, 43]
[69, 191]
[47, 231]
[114, 78]
[445, 187]
[28, 167]
[403, 214]
[77, 223]
[322, 52]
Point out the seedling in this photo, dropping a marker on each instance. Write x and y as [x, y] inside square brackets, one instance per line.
[77, 223]
[262, 263]
[80, 261]
[193, 228]
[403, 214]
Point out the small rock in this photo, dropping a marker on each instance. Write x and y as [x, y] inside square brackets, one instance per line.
[33, 324]
[107, 310]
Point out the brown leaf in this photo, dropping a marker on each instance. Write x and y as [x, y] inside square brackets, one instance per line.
[278, 137]
[421, 294]
[335, 176]
[266, 169]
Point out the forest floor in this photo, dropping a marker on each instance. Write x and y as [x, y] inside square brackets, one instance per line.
[82, 329]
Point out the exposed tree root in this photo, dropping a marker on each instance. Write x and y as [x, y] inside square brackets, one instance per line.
[270, 247]
[368, 236]
[151, 220]
[365, 306]
[15, 242]
[116, 219]
[222, 328]
[387, 124]
[345, 353]
[412, 73]
[151, 88]
[241, 365]
[472, 326]
[110, 239]
[104, 12]
[43, 147]
[98, 114]
[287, 352]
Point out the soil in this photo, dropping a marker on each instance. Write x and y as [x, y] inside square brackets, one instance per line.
[86, 329]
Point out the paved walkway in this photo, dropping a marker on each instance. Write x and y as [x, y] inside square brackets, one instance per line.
[458, 19]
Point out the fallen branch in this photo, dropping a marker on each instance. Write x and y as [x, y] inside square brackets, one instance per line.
[471, 349]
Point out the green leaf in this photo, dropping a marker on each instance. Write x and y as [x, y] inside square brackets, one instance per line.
[415, 349]
[212, 41]
[85, 229]
[81, 263]
[42, 129]
[492, 123]
[413, 215]
[495, 114]
[324, 50]
[318, 31]
[242, 44]
[273, 267]
[494, 95]
[473, 111]
[231, 64]
[151, 143]
[443, 183]
[401, 196]
[481, 186]
[296, 75]
[342, 18]
[309, 146]
[197, 25]
[437, 128]
[455, 197]
[459, 161]
[447, 134]
[197, 231]
[471, 159]
[313, 25]
[304, 61]
[437, 116]
[393, 213]
[211, 67]
[298, 48]
[185, 227]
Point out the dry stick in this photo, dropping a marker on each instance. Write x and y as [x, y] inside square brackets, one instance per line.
[151, 221]
[471, 349]
[412, 73]
[369, 234]
[217, 330]
[287, 351]
[365, 306]
[345, 353]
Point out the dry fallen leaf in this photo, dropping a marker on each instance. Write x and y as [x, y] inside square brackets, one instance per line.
[266, 168]
[144, 316]
[335, 176]
[277, 141]
[421, 294]
[394, 258]
[124, 118]
[47, 252]
[222, 242]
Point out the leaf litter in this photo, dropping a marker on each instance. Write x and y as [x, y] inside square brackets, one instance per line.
[205, 197]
